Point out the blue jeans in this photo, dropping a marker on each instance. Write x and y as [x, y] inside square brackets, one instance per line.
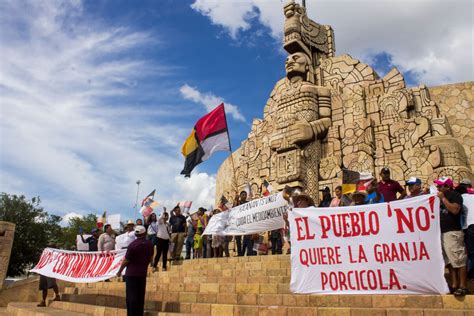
[189, 246]
[277, 246]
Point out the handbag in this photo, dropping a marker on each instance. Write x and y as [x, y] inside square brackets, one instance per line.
[263, 248]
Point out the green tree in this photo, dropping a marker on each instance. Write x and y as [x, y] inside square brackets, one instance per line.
[86, 223]
[35, 229]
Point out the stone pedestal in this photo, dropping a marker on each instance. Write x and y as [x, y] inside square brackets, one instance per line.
[7, 232]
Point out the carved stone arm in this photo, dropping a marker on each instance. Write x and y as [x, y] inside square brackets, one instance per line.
[320, 127]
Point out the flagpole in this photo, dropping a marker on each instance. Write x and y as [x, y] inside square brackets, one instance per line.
[230, 150]
[136, 200]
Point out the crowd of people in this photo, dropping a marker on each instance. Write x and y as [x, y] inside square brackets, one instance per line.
[170, 232]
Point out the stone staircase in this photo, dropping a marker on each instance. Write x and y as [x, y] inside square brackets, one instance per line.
[237, 286]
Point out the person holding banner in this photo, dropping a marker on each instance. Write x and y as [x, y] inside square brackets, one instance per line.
[107, 240]
[358, 198]
[91, 241]
[46, 283]
[122, 241]
[138, 257]
[299, 201]
[452, 236]
[414, 187]
[240, 199]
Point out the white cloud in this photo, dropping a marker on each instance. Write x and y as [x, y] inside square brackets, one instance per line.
[199, 188]
[68, 216]
[236, 16]
[68, 132]
[210, 101]
[432, 38]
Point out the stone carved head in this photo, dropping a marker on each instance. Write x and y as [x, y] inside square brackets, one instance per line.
[299, 65]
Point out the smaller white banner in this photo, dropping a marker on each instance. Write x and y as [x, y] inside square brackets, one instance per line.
[81, 246]
[468, 210]
[114, 221]
[78, 266]
[253, 217]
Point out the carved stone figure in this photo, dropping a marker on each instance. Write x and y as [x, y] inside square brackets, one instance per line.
[332, 112]
[301, 112]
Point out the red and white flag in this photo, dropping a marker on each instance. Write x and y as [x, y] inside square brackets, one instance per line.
[185, 206]
[151, 195]
[268, 188]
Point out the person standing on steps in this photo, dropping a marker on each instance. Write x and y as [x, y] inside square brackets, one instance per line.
[240, 199]
[138, 257]
[389, 188]
[107, 239]
[162, 242]
[179, 230]
[92, 241]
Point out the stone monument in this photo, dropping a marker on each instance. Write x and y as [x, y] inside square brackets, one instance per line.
[7, 232]
[333, 112]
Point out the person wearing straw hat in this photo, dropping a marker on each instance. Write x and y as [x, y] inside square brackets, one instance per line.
[358, 197]
[302, 200]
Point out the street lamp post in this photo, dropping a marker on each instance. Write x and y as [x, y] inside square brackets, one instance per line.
[136, 201]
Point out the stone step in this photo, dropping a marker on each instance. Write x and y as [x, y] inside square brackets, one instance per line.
[219, 271]
[233, 260]
[250, 310]
[100, 310]
[225, 272]
[293, 300]
[256, 288]
[30, 309]
[224, 263]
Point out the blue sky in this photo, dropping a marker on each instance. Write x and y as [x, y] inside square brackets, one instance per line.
[97, 94]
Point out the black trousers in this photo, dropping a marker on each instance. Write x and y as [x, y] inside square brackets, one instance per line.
[238, 245]
[162, 246]
[135, 295]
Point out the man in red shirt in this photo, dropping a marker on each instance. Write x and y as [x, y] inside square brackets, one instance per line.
[389, 188]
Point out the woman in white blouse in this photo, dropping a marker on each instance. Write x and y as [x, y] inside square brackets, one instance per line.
[162, 240]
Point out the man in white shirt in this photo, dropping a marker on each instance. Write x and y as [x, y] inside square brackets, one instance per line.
[126, 238]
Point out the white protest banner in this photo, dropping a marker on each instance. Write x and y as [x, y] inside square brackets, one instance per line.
[217, 224]
[257, 216]
[468, 210]
[386, 248]
[78, 266]
[81, 246]
[114, 221]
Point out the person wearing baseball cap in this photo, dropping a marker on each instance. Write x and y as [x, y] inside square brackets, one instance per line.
[414, 187]
[452, 236]
[91, 241]
[466, 186]
[389, 188]
[138, 257]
